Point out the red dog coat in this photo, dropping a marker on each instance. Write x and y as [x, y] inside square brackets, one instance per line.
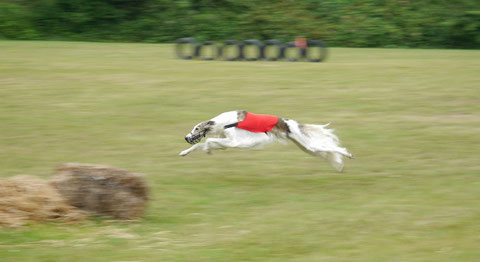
[258, 123]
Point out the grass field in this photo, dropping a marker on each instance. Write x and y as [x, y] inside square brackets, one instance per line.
[410, 117]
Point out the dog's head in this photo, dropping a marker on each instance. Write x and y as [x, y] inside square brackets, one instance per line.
[199, 131]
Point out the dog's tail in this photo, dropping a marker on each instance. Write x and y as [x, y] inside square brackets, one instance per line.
[319, 141]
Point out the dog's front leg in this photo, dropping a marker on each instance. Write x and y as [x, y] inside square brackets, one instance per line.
[191, 149]
[217, 143]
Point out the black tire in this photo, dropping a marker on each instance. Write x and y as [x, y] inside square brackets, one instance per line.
[252, 42]
[272, 43]
[316, 44]
[206, 44]
[231, 43]
[182, 44]
[285, 49]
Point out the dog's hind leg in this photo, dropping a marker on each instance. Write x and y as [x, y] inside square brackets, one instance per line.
[334, 159]
[316, 138]
[328, 151]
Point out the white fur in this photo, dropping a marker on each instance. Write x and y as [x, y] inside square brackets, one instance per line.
[316, 140]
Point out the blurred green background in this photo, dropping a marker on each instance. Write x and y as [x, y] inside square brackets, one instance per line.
[348, 23]
[411, 117]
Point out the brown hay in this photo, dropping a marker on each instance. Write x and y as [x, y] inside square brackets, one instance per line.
[25, 198]
[101, 189]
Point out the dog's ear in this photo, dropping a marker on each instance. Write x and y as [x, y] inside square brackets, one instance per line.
[208, 125]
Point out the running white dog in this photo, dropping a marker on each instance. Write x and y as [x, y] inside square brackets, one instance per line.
[242, 129]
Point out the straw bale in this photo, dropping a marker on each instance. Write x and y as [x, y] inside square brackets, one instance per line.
[103, 190]
[26, 198]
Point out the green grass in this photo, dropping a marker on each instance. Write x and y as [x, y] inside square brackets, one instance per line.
[411, 118]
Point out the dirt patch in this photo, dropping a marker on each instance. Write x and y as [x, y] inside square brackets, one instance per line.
[103, 190]
[26, 198]
[74, 192]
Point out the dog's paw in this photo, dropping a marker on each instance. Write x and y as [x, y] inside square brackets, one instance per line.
[184, 153]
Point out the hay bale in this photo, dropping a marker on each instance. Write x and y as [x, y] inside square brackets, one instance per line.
[101, 189]
[24, 199]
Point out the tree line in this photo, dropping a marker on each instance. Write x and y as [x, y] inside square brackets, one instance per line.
[349, 23]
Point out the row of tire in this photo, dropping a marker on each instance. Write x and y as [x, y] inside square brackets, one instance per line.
[251, 50]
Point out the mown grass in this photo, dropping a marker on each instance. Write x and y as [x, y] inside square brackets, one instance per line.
[411, 117]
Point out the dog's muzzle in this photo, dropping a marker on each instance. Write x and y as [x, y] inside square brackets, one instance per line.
[194, 139]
